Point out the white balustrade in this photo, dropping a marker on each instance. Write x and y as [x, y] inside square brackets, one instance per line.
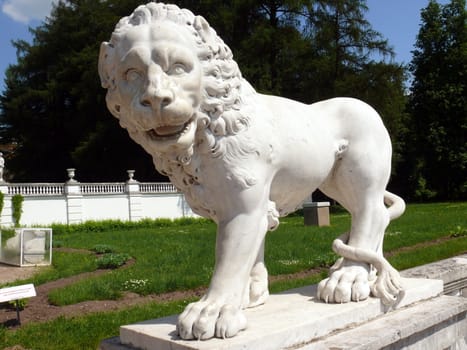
[157, 187]
[54, 189]
[102, 188]
[74, 201]
[36, 189]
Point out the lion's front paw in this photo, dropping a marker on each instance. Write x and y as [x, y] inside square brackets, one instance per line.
[348, 282]
[204, 320]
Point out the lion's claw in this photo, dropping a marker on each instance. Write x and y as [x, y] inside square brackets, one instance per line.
[348, 283]
[204, 320]
[230, 322]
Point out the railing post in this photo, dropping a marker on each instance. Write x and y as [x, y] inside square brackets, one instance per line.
[74, 199]
[6, 216]
[134, 197]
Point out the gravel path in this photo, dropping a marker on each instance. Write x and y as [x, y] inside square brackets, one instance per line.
[10, 273]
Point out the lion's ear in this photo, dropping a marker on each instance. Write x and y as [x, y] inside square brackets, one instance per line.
[206, 32]
[105, 65]
[106, 68]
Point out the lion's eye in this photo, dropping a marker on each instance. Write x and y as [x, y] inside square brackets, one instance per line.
[132, 75]
[177, 69]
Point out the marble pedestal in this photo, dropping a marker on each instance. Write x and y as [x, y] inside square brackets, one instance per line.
[296, 320]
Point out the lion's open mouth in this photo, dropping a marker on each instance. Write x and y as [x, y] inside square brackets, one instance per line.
[169, 131]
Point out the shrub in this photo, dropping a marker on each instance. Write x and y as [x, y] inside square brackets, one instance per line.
[112, 260]
[459, 231]
[113, 225]
[21, 303]
[102, 249]
[17, 203]
[2, 198]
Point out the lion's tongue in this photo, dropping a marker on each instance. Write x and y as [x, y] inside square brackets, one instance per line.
[169, 130]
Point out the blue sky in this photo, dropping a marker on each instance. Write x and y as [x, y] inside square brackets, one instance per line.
[397, 20]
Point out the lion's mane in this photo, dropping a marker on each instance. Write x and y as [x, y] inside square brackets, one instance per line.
[221, 113]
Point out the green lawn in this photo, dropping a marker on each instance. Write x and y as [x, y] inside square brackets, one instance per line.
[181, 256]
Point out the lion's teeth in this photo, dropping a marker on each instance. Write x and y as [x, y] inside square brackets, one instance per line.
[169, 130]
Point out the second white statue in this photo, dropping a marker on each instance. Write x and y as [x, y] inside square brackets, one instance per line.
[244, 159]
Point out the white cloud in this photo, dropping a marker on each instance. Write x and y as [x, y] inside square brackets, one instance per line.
[26, 10]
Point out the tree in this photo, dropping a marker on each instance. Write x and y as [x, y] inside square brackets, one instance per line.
[54, 109]
[343, 64]
[267, 43]
[438, 103]
[343, 42]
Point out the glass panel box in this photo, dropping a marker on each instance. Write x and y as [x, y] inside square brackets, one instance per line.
[26, 246]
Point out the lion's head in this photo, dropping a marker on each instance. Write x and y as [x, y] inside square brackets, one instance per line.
[173, 84]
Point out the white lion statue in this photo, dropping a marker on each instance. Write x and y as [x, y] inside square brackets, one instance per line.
[244, 159]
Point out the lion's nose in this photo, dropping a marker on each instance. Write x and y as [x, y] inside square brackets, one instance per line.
[156, 98]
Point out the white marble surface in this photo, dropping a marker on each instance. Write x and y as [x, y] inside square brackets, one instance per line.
[244, 159]
[288, 319]
[438, 323]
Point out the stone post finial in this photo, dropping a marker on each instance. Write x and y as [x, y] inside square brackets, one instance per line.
[131, 174]
[71, 174]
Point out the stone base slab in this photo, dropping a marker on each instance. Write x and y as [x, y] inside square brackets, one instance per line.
[453, 272]
[439, 323]
[295, 320]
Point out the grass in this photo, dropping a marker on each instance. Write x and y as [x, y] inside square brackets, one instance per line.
[425, 222]
[424, 255]
[166, 252]
[64, 265]
[179, 256]
[83, 333]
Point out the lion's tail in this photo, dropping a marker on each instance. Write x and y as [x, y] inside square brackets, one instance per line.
[396, 205]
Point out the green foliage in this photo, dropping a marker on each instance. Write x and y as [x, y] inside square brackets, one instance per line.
[2, 202]
[102, 249]
[343, 40]
[160, 259]
[7, 234]
[425, 222]
[63, 265]
[438, 103]
[111, 225]
[85, 332]
[57, 244]
[165, 256]
[54, 107]
[459, 231]
[17, 206]
[136, 285]
[21, 304]
[421, 191]
[112, 260]
[96, 290]
[422, 255]
[2, 334]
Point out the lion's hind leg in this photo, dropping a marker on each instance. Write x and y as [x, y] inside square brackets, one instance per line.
[258, 291]
[258, 286]
[351, 279]
[360, 188]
